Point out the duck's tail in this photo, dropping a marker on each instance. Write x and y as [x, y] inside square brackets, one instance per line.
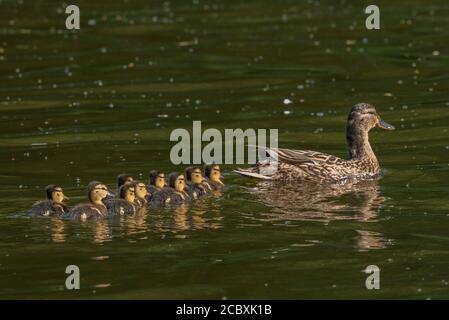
[262, 170]
[265, 169]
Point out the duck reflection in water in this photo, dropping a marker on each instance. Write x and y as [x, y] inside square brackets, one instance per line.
[358, 201]
[317, 202]
[368, 240]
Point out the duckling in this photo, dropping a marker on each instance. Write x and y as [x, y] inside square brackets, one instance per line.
[140, 189]
[306, 165]
[197, 186]
[155, 183]
[54, 206]
[174, 194]
[95, 209]
[126, 203]
[214, 177]
[121, 180]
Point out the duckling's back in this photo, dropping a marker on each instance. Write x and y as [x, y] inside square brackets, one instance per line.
[47, 208]
[87, 211]
[168, 196]
[120, 207]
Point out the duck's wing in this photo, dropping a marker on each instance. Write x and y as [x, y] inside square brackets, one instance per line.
[303, 159]
[296, 157]
[292, 156]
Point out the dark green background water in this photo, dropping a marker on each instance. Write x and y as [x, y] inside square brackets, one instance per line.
[89, 104]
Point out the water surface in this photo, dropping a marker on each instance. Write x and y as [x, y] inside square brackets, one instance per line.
[82, 105]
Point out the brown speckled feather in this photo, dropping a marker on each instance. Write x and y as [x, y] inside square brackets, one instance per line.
[307, 165]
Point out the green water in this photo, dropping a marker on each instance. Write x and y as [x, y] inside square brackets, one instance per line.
[82, 105]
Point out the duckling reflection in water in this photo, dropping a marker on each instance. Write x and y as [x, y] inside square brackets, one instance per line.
[96, 192]
[141, 192]
[156, 183]
[197, 186]
[54, 206]
[174, 194]
[126, 204]
[214, 177]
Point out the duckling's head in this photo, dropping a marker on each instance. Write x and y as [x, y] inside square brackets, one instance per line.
[157, 179]
[96, 191]
[363, 117]
[193, 174]
[123, 178]
[140, 189]
[176, 181]
[212, 171]
[55, 193]
[127, 192]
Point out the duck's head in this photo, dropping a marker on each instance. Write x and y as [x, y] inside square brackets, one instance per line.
[176, 181]
[127, 192]
[212, 171]
[96, 191]
[55, 193]
[363, 117]
[194, 175]
[157, 179]
[140, 189]
[123, 178]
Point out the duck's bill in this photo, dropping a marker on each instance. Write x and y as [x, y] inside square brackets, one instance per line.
[66, 198]
[384, 125]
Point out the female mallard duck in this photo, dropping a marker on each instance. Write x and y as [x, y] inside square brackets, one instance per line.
[174, 194]
[306, 165]
[126, 204]
[156, 182]
[54, 206]
[95, 209]
[214, 177]
[141, 192]
[197, 186]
